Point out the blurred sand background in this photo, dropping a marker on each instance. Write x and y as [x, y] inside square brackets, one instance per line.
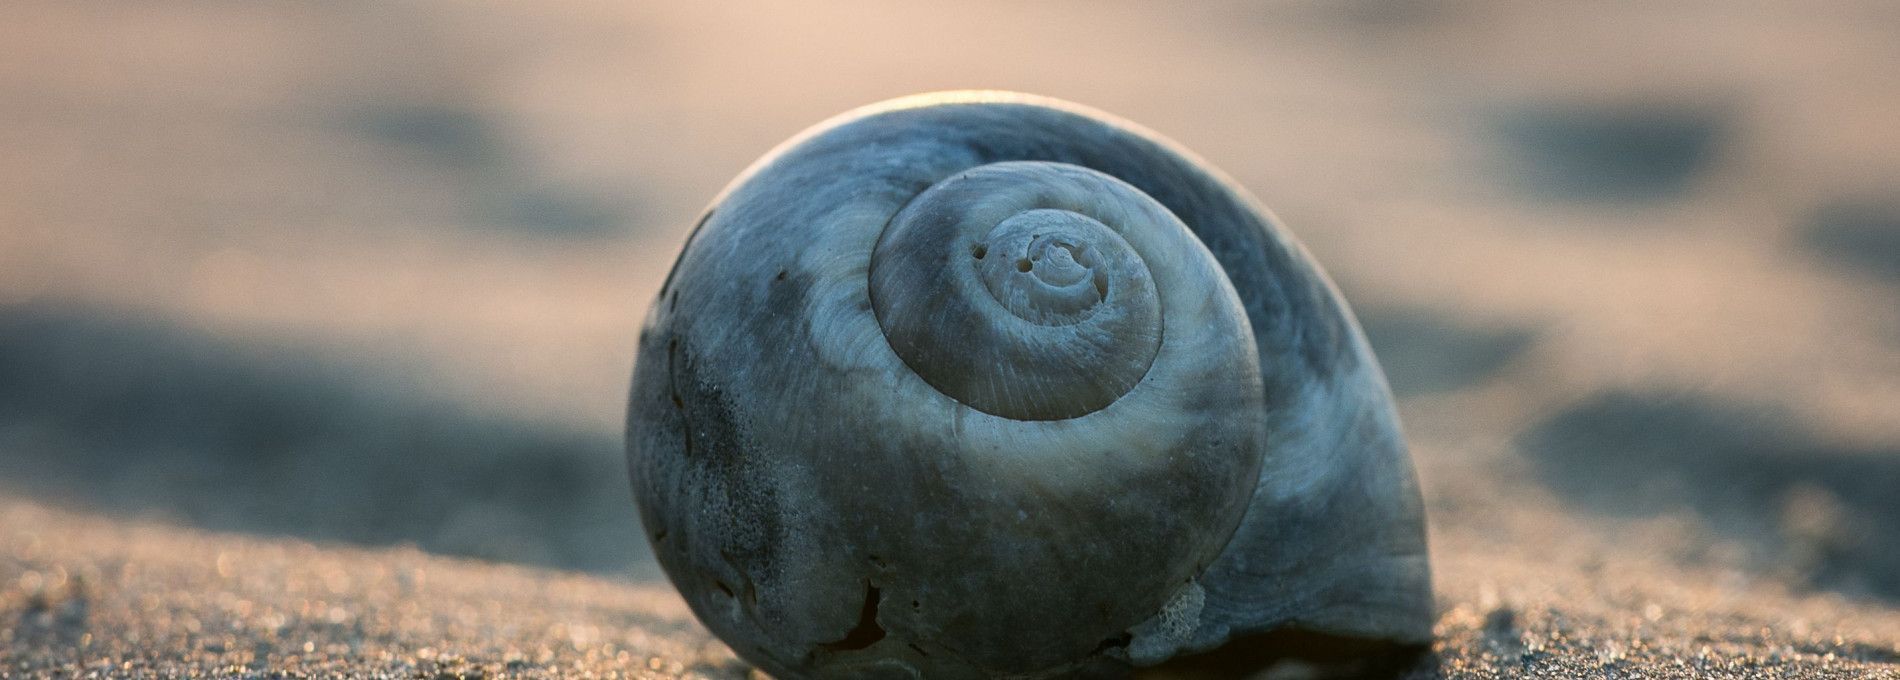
[304, 304]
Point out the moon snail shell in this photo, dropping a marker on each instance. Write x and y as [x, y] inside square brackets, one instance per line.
[972, 385]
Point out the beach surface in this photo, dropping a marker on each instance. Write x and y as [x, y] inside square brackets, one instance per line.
[91, 597]
[316, 321]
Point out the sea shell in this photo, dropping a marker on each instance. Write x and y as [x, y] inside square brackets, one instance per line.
[992, 385]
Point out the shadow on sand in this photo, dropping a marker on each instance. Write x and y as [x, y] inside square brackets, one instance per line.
[1424, 352]
[504, 195]
[1635, 152]
[1863, 235]
[140, 418]
[1830, 514]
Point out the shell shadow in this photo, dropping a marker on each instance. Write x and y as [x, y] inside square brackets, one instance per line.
[1300, 654]
[135, 417]
[1826, 513]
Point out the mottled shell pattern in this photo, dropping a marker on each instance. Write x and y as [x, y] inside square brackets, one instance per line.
[973, 385]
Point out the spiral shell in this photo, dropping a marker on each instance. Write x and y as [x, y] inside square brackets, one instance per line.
[981, 385]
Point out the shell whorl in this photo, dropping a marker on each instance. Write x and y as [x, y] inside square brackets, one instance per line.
[1013, 288]
[987, 385]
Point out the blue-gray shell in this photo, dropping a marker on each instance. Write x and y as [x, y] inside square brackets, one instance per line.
[829, 513]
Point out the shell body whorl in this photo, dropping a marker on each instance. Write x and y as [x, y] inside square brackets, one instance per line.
[986, 385]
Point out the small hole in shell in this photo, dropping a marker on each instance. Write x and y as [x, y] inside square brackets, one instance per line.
[1022, 265]
[979, 251]
[867, 632]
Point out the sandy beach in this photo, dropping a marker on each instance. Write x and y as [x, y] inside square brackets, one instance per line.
[316, 321]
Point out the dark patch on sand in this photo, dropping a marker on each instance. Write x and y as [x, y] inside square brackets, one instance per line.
[503, 193]
[135, 417]
[1863, 235]
[1644, 151]
[1828, 512]
[444, 134]
[1372, 15]
[1424, 352]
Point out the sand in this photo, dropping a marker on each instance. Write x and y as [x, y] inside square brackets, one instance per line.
[85, 596]
[316, 321]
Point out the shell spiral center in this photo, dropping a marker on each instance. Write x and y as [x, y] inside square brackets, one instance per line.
[1011, 288]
